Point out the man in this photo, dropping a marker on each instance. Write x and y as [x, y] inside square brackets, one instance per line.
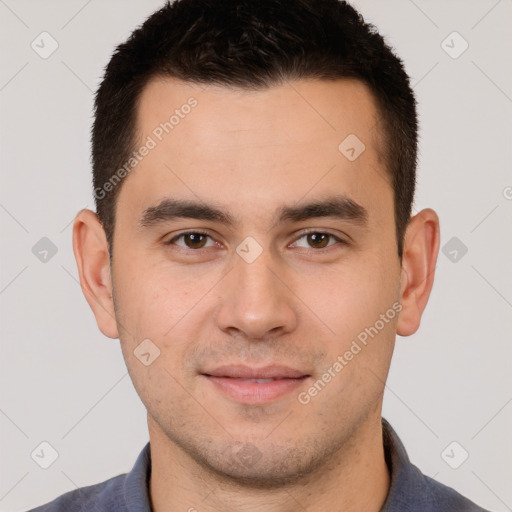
[254, 251]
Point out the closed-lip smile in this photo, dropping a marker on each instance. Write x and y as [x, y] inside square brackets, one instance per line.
[255, 385]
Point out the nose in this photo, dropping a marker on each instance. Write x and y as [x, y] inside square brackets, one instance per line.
[257, 299]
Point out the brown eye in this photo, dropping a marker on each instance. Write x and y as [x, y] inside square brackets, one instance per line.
[318, 240]
[192, 240]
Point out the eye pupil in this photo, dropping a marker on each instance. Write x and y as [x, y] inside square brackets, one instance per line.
[314, 238]
[195, 239]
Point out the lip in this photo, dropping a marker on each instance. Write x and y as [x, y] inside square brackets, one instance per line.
[237, 382]
[238, 371]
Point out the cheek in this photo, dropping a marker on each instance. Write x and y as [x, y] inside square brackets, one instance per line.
[353, 295]
[153, 313]
[357, 304]
[351, 303]
[166, 306]
[149, 298]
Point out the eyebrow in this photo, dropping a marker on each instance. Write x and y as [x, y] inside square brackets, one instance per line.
[339, 207]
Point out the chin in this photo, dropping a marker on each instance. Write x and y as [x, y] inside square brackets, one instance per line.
[268, 467]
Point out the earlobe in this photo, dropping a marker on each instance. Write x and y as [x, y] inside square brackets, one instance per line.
[421, 247]
[92, 258]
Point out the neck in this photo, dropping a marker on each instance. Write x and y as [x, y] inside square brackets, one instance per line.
[356, 478]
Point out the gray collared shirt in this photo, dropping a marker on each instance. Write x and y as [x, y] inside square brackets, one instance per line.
[410, 490]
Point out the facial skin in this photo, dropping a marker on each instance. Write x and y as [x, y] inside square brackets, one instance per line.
[300, 303]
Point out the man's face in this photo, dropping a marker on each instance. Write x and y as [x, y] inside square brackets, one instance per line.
[284, 297]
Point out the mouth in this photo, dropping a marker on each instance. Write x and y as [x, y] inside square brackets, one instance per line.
[255, 385]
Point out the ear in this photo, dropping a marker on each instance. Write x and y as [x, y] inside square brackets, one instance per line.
[93, 261]
[421, 247]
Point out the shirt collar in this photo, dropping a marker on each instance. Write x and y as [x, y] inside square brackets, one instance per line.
[136, 484]
[407, 481]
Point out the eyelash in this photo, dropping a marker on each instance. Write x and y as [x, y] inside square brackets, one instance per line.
[199, 232]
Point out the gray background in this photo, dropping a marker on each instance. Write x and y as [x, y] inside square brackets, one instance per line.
[63, 382]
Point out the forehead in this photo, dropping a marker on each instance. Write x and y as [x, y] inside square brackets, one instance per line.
[310, 110]
[258, 147]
